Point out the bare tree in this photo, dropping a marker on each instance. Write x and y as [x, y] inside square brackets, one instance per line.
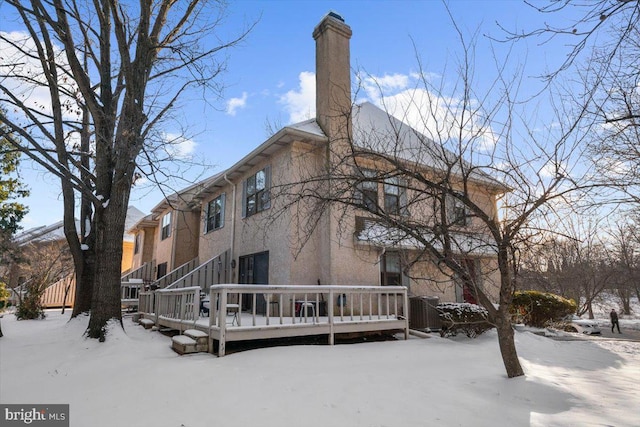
[43, 263]
[624, 260]
[573, 262]
[434, 191]
[109, 73]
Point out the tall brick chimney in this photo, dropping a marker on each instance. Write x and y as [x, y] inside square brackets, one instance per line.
[333, 76]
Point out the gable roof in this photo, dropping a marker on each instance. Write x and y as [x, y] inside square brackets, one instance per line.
[373, 130]
[377, 131]
[308, 130]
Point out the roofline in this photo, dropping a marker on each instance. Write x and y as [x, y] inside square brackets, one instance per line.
[283, 137]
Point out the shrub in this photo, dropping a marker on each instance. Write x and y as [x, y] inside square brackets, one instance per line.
[537, 309]
[470, 319]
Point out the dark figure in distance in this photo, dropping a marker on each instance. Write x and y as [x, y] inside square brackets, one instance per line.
[614, 320]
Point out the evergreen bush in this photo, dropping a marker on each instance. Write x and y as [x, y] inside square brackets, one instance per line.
[537, 309]
[470, 319]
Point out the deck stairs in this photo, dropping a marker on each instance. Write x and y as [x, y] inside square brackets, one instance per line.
[191, 341]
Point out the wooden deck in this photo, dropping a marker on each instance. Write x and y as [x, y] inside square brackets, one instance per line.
[257, 312]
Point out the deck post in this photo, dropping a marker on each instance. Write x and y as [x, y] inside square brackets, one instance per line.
[156, 307]
[222, 322]
[330, 314]
[405, 312]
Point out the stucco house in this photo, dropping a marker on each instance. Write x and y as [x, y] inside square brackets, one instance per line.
[250, 212]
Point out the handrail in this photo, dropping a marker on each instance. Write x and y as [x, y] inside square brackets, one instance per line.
[176, 274]
[215, 270]
[144, 272]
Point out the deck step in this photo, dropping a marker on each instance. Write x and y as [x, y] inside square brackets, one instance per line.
[147, 323]
[201, 338]
[183, 344]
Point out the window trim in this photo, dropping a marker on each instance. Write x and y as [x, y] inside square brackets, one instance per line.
[255, 199]
[401, 197]
[165, 229]
[457, 212]
[220, 214]
[367, 190]
[384, 271]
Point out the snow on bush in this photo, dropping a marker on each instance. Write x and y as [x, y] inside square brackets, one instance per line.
[470, 319]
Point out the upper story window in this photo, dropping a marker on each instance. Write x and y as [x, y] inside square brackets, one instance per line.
[457, 213]
[214, 215]
[166, 226]
[367, 191]
[255, 192]
[136, 243]
[395, 196]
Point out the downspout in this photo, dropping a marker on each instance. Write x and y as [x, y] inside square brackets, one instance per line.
[384, 250]
[233, 222]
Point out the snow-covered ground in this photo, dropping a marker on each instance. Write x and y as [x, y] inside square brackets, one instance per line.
[134, 379]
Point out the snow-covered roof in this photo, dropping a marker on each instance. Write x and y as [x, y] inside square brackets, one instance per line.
[373, 130]
[185, 195]
[378, 131]
[310, 126]
[55, 232]
[377, 234]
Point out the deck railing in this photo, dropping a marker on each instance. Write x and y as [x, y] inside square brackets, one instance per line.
[251, 312]
[213, 271]
[177, 308]
[277, 311]
[146, 303]
[130, 292]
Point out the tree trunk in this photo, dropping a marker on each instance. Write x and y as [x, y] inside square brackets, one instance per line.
[508, 346]
[84, 284]
[503, 318]
[106, 304]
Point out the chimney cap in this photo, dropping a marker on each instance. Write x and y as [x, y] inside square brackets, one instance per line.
[335, 15]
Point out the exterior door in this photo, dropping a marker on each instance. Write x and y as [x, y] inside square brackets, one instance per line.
[254, 270]
[465, 291]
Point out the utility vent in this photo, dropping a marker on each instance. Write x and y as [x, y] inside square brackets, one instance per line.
[423, 314]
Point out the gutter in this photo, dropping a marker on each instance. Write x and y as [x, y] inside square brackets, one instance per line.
[233, 220]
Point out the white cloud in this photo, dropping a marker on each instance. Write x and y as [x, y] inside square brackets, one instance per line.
[236, 103]
[178, 146]
[375, 87]
[441, 118]
[300, 104]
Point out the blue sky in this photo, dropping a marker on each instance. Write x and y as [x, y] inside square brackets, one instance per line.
[267, 76]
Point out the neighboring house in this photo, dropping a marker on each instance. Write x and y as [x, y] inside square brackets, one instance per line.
[240, 211]
[48, 241]
[168, 237]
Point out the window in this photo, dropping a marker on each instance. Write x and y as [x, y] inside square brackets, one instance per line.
[390, 269]
[255, 190]
[214, 215]
[162, 270]
[166, 226]
[136, 244]
[395, 199]
[456, 211]
[367, 191]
